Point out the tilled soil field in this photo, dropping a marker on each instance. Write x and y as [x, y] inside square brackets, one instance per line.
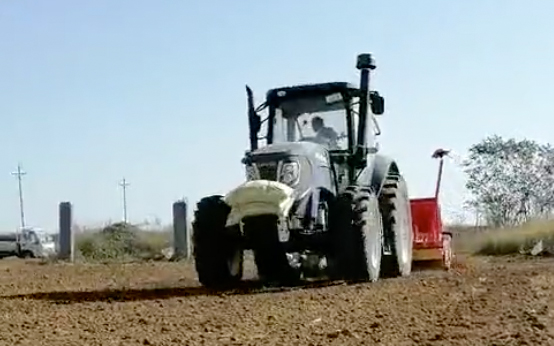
[482, 301]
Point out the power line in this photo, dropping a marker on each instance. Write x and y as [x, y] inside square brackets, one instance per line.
[124, 184]
[19, 174]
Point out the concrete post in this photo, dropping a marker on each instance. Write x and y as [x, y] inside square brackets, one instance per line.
[66, 232]
[181, 237]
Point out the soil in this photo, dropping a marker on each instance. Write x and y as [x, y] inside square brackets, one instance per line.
[481, 301]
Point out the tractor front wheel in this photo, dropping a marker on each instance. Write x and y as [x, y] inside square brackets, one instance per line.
[218, 253]
[270, 254]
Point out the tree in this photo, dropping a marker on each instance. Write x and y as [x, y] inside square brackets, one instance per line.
[510, 181]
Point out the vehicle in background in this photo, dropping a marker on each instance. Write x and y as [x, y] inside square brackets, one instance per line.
[29, 242]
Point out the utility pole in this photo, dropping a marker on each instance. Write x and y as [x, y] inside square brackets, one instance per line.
[124, 185]
[19, 174]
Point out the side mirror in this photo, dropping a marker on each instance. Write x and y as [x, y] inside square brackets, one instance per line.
[247, 159]
[377, 103]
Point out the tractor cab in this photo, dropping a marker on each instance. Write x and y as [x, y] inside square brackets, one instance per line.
[318, 113]
[331, 115]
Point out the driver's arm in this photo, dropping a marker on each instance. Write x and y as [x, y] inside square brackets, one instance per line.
[330, 133]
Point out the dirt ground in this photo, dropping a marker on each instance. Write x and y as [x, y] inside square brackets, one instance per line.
[481, 302]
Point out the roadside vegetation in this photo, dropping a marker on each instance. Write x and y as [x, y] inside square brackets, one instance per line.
[122, 242]
[511, 182]
[534, 237]
[530, 238]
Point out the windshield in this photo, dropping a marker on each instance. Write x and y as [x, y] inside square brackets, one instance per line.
[47, 238]
[327, 126]
[44, 237]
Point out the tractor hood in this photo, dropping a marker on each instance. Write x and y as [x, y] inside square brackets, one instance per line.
[289, 149]
[291, 163]
[295, 172]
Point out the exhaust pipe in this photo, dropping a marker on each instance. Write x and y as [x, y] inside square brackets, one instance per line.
[365, 64]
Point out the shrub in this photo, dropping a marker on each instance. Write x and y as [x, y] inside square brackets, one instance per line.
[121, 241]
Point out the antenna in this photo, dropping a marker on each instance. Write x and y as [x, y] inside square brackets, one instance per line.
[19, 174]
[123, 183]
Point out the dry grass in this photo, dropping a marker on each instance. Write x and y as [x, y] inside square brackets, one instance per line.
[466, 238]
[504, 241]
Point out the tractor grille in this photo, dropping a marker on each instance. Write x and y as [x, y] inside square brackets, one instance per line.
[268, 170]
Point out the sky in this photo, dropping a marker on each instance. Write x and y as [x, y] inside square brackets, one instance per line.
[154, 91]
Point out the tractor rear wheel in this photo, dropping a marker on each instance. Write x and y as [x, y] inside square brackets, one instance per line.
[397, 222]
[356, 235]
[218, 253]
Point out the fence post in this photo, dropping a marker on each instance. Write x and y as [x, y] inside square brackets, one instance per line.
[66, 232]
[181, 239]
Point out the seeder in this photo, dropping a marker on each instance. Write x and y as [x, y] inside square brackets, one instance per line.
[432, 244]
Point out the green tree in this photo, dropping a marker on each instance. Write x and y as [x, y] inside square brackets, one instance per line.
[510, 181]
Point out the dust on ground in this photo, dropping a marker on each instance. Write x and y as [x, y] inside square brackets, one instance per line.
[482, 301]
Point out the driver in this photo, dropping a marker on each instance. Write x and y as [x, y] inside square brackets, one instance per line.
[324, 135]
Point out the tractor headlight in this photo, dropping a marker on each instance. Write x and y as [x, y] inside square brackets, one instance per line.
[290, 173]
[251, 173]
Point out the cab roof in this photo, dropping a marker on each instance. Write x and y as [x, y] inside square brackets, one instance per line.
[307, 90]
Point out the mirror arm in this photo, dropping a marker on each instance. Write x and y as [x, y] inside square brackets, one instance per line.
[378, 132]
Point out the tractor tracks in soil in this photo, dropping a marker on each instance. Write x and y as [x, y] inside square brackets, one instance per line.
[481, 301]
[247, 287]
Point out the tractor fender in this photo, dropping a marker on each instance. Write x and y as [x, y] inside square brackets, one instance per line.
[375, 173]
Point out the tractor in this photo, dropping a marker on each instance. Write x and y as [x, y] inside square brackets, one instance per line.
[319, 201]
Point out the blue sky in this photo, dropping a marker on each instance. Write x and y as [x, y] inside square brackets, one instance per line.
[154, 90]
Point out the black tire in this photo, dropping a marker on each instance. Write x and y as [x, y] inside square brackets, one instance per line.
[356, 235]
[218, 253]
[27, 255]
[270, 255]
[397, 224]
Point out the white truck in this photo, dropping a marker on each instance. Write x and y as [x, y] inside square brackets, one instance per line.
[27, 243]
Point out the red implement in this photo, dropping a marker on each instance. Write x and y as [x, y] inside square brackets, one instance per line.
[431, 242]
